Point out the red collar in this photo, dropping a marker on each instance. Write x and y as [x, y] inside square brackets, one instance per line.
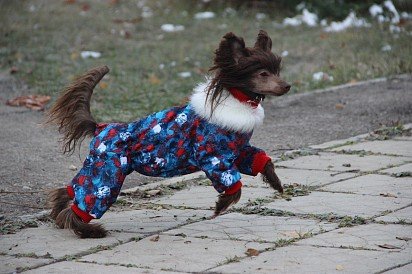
[242, 97]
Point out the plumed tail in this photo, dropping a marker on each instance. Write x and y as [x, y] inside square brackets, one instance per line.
[71, 111]
[57, 200]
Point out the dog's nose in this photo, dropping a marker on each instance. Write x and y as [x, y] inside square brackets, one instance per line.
[287, 87]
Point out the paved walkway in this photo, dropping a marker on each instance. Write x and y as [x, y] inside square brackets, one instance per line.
[348, 208]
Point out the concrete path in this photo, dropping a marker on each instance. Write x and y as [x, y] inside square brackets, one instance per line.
[347, 209]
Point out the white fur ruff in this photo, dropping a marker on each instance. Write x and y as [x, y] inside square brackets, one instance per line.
[230, 113]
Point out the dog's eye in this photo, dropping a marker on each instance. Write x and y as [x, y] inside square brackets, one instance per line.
[264, 74]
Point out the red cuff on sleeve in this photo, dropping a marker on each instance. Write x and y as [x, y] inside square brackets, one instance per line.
[83, 215]
[234, 188]
[70, 192]
[259, 162]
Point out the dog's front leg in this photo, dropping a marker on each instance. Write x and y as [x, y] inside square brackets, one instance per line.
[270, 177]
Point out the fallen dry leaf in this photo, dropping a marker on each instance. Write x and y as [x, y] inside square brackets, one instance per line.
[339, 267]
[14, 70]
[404, 238]
[155, 238]
[388, 246]
[339, 106]
[252, 252]
[154, 80]
[387, 194]
[292, 234]
[85, 7]
[74, 56]
[33, 102]
[103, 85]
[153, 192]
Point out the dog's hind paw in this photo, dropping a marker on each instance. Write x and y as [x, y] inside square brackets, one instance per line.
[225, 201]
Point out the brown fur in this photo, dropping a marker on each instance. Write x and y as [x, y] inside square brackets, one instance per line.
[270, 177]
[225, 200]
[67, 219]
[255, 71]
[58, 199]
[71, 111]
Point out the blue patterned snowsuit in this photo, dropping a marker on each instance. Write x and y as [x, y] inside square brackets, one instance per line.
[172, 142]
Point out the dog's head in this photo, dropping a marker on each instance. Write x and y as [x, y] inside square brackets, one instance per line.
[252, 70]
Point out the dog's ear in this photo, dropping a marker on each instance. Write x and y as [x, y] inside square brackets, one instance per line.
[263, 41]
[230, 50]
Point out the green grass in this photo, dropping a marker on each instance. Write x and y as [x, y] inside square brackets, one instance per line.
[45, 45]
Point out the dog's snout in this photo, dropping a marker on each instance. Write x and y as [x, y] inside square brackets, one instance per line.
[287, 87]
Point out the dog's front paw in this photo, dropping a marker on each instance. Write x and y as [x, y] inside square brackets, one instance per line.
[270, 177]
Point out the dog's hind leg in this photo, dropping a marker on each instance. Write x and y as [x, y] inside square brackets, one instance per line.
[225, 201]
[68, 219]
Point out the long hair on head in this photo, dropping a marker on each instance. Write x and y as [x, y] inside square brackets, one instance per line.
[235, 64]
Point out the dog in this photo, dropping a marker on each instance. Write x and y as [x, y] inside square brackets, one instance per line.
[210, 133]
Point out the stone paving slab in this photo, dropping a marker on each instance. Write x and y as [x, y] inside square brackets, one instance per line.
[373, 184]
[150, 221]
[339, 162]
[403, 138]
[340, 142]
[84, 267]
[398, 169]
[397, 147]
[369, 236]
[301, 177]
[9, 264]
[296, 259]
[205, 197]
[175, 252]
[403, 215]
[253, 228]
[401, 270]
[54, 243]
[310, 177]
[340, 204]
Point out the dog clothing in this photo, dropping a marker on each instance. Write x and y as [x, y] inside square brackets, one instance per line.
[172, 142]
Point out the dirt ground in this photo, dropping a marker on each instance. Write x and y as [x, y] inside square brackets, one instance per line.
[31, 162]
